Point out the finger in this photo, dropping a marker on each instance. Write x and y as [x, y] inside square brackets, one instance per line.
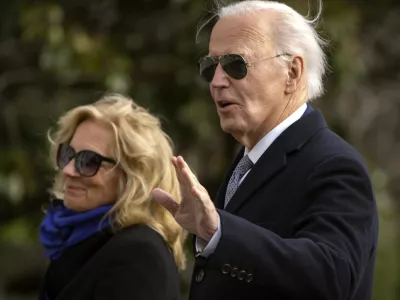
[196, 190]
[185, 169]
[199, 192]
[175, 162]
[201, 189]
[166, 200]
[189, 177]
[182, 163]
[186, 185]
[178, 170]
[192, 176]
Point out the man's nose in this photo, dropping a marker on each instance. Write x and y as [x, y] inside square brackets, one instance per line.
[220, 79]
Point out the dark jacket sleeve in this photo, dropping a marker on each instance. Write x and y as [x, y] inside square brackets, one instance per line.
[135, 270]
[332, 241]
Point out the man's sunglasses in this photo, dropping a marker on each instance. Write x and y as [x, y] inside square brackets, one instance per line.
[233, 64]
[87, 162]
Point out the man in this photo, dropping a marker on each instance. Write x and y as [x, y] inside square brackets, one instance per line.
[295, 217]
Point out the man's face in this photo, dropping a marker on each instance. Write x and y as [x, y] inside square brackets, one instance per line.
[256, 101]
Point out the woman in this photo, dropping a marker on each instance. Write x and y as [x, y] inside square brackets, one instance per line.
[104, 235]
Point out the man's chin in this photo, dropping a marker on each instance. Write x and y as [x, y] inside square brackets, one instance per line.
[229, 126]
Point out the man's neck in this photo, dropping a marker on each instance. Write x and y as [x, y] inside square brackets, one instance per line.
[252, 138]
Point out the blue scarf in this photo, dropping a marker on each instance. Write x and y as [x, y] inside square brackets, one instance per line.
[63, 228]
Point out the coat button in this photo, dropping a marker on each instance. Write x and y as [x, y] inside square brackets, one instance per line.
[200, 276]
[226, 269]
[242, 275]
[249, 277]
[234, 272]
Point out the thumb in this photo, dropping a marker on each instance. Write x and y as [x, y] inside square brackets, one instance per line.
[165, 199]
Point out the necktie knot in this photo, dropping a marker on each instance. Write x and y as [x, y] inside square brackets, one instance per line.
[244, 165]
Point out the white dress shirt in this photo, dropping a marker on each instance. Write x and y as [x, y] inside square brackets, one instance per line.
[204, 249]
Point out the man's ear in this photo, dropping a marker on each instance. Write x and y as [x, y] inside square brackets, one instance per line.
[294, 75]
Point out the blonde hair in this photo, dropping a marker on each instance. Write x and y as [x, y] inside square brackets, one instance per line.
[143, 151]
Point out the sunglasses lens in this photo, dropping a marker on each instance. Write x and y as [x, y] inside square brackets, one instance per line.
[88, 163]
[234, 65]
[65, 154]
[207, 67]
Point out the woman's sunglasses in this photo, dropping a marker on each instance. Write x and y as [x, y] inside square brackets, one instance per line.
[87, 162]
[233, 64]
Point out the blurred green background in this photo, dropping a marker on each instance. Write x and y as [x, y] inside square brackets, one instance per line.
[58, 54]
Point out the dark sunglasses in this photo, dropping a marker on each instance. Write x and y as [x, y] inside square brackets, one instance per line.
[87, 162]
[233, 64]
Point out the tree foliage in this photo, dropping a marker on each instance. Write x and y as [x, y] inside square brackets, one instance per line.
[58, 54]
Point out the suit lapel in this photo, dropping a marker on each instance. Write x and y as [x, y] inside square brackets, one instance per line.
[270, 163]
[273, 160]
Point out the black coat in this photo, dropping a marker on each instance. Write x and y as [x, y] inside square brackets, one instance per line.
[135, 263]
[302, 225]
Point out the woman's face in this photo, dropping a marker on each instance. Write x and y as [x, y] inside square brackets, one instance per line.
[82, 193]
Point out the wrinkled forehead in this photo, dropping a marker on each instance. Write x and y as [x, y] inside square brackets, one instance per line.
[243, 34]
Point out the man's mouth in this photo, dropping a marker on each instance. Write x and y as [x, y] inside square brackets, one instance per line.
[224, 104]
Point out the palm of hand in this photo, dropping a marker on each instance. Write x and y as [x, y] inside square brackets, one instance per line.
[196, 212]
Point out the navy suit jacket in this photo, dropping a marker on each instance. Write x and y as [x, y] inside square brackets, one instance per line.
[302, 225]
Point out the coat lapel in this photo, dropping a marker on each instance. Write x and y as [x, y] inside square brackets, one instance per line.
[273, 160]
[270, 163]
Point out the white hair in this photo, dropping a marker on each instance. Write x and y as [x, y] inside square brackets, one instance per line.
[293, 34]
